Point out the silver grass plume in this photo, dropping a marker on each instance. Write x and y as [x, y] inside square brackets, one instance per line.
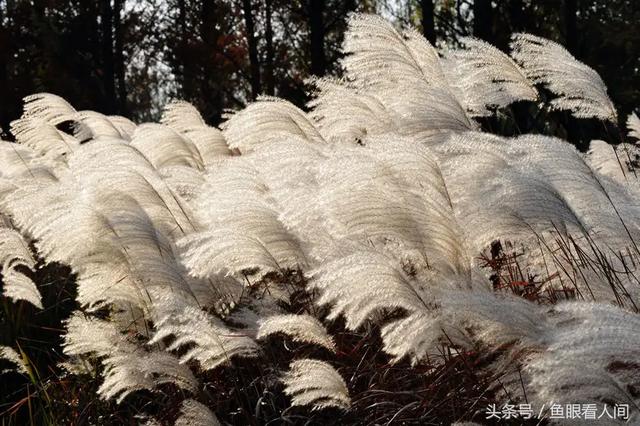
[391, 195]
[43, 137]
[301, 328]
[364, 284]
[633, 125]
[614, 161]
[586, 357]
[93, 125]
[211, 343]
[336, 104]
[403, 71]
[125, 126]
[194, 413]
[50, 108]
[15, 254]
[128, 366]
[10, 355]
[578, 87]
[378, 55]
[486, 78]
[186, 120]
[182, 117]
[238, 237]
[269, 119]
[164, 147]
[315, 383]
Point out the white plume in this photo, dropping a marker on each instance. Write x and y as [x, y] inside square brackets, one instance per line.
[578, 87]
[316, 383]
[43, 137]
[487, 78]
[128, 367]
[587, 357]
[50, 108]
[335, 106]
[212, 344]
[269, 119]
[95, 125]
[404, 73]
[185, 119]
[125, 126]
[182, 117]
[633, 125]
[194, 413]
[15, 254]
[9, 354]
[364, 284]
[617, 162]
[301, 328]
[164, 147]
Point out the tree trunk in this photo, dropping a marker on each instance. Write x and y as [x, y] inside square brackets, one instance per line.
[482, 20]
[316, 27]
[428, 21]
[268, 32]
[183, 73]
[182, 19]
[108, 74]
[574, 129]
[517, 15]
[4, 59]
[119, 57]
[210, 89]
[570, 24]
[254, 64]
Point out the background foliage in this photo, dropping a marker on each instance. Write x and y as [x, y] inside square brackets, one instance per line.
[130, 56]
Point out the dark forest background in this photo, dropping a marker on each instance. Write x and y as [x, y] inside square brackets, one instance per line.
[129, 57]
